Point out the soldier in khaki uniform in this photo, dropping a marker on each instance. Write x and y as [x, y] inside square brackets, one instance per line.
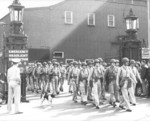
[55, 78]
[63, 76]
[50, 74]
[96, 76]
[133, 85]
[69, 69]
[110, 78]
[83, 82]
[123, 81]
[90, 81]
[29, 77]
[73, 76]
[103, 96]
[37, 76]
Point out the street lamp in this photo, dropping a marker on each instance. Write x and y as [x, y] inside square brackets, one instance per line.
[16, 11]
[130, 45]
[131, 24]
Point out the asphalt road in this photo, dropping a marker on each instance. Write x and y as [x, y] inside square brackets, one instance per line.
[63, 109]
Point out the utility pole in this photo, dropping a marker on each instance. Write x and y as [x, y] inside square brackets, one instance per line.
[148, 12]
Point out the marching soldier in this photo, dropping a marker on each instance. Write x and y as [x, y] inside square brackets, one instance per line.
[69, 69]
[44, 78]
[117, 97]
[124, 80]
[30, 82]
[63, 76]
[102, 79]
[90, 81]
[55, 76]
[110, 79]
[37, 76]
[133, 85]
[73, 76]
[96, 76]
[83, 82]
[50, 73]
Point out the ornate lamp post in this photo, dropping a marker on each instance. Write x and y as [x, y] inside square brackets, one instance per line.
[16, 39]
[131, 46]
[131, 25]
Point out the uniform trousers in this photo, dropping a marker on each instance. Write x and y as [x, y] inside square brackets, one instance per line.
[83, 90]
[96, 91]
[131, 91]
[90, 86]
[50, 88]
[14, 90]
[44, 82]
[30, 82]
[144, 86]
[55, 85]
[62, 82]
[75, 90]
[124, 90]
[112, 90]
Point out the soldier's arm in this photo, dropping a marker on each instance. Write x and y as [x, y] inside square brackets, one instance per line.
[138, 76]
[78, 77]
[90, 75]
[133, 76]
[69, 74]
[33, 72]
[106, 75]
[118, 75]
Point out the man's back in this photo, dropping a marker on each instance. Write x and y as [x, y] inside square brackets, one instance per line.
[13, 73]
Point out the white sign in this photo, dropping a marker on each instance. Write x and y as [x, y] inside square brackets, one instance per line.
[145, 53]
[20, 54]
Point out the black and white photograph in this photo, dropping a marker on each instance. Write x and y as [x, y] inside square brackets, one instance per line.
[74, 60]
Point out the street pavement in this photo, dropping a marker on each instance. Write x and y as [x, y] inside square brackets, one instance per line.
[63, 109]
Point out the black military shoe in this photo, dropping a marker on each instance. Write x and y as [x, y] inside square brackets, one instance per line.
[129, 110]
[120, 106]
[110, 103]
[97, 107]
[114, 104]
[134, 104]
[85, 103]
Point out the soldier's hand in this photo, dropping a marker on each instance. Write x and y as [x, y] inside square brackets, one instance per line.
[118, 87]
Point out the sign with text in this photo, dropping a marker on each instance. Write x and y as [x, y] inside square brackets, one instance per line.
[20, 54]
[145, 53]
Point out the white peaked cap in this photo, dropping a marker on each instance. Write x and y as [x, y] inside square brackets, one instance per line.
[16, 60]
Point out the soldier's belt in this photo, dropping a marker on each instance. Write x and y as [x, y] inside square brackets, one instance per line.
[73, 77]
[85, 78]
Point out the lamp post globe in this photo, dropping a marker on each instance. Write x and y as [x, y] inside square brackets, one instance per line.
[131, 21]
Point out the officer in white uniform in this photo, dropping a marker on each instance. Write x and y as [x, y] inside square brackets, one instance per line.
[14, 85]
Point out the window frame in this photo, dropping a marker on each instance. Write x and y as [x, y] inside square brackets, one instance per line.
[58, 52]
[89, 60]
[88, 19]
[66, 19]
[67, 60]
[108, 20]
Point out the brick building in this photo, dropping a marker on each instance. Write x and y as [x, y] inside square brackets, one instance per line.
[81, 29]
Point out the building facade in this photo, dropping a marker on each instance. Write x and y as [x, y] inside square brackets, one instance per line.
[82, 29]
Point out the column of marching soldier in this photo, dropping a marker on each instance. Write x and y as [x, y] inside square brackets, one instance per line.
[87, 80]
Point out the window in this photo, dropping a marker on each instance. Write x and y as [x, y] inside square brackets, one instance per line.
[91, 19]
[68, 17]
[111, 20]
[67, 61]
[58, 54]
